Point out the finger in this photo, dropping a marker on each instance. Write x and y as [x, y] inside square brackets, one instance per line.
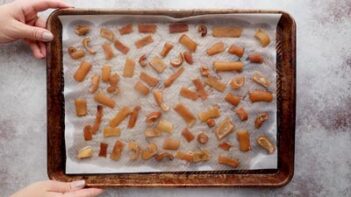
[46, 4]
[40, 23]
[36, 50]
[62, 187]
[31, 20]
[23, 31]
[54, 194]
[91, 192]
[42, 47]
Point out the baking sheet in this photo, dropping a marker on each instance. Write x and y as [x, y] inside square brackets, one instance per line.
[255, 159]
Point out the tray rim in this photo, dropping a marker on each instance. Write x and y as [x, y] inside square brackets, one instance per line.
[275, 178]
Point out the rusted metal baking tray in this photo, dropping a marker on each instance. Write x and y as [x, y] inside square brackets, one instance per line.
[286, 96]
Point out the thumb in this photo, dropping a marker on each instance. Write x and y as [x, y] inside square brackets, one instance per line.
[62, 187]
[33, 33]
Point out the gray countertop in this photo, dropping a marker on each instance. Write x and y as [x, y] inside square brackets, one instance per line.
[322, 153]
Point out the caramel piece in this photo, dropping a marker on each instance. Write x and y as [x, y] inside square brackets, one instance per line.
[164, 155]
[85, 153]
[167, 47]
[202, 138]
[236, 50]
[263, 37]
[165, 126]
[170, 80]
[260, 119]
[187, 42]
[188, 136]
[147, 28]
[103, 150]
[113, 79]
[157, 64]
[204, 71]
[107, 34]
[120, 116]
[141, 88]
[144, 41]
[129, 66]
[95, 82]
[117, 150]
[224, 128]
[81, 107]
[149, 152]
[242, 114]
[87, 132]
[231, 162]
[152, 117]
[76, 53]
[171, 144]
[108, 51]
[82, 30]
[112, 132]
[202, 29]
[234, 100]
[98, 119]
[261, 80]
[186, 156]
[224, 66]
[225, 145]
[152, 132]
[201, 156]
[256, 58]
[101, 98]
[134, 148]
[216, 48]
[133, 117]
[82, 71]
[143, 60]
[105, 73]
[121, 47]
[266, 144]
[260, 96]
[210, 113]
[226, 31]
[188, 57]
[158, 96]
[211, 123]
[215, 83]
[185, 113]
[237, 82]
[176, 62]
[85, 43]
[200, 89]
[178, 27]
[189, 94]
[126, 29]
[243, 138]
[148, 79]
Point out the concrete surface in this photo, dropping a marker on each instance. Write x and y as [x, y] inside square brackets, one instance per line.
[323, 154]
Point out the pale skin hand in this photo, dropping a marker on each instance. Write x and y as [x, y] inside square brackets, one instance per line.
[19, 21]
[58, 189]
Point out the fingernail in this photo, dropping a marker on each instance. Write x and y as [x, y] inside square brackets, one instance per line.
[47, 36]
[76, 185]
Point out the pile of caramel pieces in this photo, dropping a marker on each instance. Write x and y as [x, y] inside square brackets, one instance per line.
[148, 81]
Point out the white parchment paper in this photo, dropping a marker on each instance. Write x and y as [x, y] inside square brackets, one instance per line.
[254, 159]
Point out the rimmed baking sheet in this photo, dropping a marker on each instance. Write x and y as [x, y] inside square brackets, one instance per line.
[227, 177]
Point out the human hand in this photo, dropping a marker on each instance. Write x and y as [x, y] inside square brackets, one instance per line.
[19, 20]
[58, 189]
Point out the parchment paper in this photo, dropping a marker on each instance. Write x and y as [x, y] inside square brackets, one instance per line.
[254, 159]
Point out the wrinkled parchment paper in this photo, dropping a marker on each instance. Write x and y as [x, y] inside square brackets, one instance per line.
[254, 159]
